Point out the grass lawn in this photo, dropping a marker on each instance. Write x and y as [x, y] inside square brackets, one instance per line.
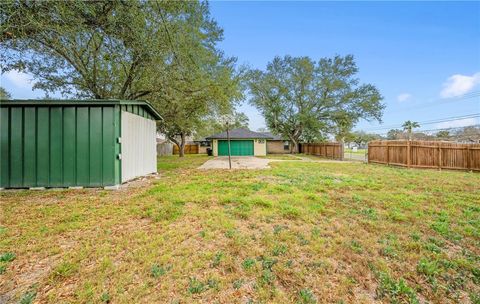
[359, 151]
[281, 156]
[300, 232]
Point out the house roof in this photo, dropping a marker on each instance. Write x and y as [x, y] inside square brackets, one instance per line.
[273, 136]
[79, 102]
[240, 134]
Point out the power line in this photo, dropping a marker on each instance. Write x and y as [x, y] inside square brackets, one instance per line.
[438, 129]
[446, 119]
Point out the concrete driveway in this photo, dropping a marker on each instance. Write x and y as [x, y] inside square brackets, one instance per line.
[238, 162]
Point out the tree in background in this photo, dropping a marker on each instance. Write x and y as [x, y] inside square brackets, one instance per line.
[305, 100]
[4, 94]
[468, 134]
[408, 126]
[395, 134]
[361, 138]
[445, 134]
[213, 125]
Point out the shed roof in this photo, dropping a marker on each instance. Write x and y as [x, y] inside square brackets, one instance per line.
[240, 134]
[83, 102]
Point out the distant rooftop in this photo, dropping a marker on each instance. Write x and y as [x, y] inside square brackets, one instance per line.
[241, 134]
[273, 136]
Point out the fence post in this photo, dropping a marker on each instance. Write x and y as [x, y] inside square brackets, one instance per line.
[388, 155]
[469, 163]
[409, 161]
[440, 157]
[342, 150]
[368, 153]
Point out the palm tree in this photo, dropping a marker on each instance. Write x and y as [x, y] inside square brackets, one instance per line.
[409, 126]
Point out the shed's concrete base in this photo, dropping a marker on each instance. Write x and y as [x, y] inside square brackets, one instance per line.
[114, 187]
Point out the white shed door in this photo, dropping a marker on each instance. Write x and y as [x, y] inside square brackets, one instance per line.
[139, 153]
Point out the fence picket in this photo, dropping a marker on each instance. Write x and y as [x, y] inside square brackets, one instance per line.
[425, 154]
[332, 150]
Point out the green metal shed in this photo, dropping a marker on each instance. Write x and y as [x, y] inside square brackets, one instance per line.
[71, 143]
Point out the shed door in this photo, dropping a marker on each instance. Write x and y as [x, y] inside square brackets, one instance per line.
[139, 155]
[237, 147]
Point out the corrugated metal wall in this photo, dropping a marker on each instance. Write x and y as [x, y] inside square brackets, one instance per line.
[59, 146]
[139, 155]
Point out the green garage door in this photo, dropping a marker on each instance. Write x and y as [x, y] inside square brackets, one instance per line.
[237, 147]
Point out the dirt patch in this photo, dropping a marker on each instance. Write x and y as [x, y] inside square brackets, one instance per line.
[238, 162]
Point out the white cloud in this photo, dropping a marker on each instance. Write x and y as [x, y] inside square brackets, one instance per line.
[457, 85]
[403, 97]
[18, 79]
[456, 123]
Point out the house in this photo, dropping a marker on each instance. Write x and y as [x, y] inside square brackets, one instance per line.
[76, 143]
[246, 142]
[243, 142]
[203, 145]
[277, 144]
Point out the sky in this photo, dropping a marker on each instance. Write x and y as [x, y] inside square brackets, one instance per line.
[424, 57]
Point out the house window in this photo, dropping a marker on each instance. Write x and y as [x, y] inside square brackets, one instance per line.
[286, 145]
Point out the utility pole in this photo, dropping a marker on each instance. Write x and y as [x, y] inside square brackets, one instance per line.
[228, 140]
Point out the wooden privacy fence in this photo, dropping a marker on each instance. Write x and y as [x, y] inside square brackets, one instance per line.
[425, 154]
[329, 149]
[189, 149]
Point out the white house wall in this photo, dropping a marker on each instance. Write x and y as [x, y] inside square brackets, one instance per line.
[138, 141]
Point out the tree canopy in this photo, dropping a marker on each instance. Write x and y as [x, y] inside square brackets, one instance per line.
[408, 126]
[162, 51]
[307, 100]
[4, 94]
[361, 138]
[101, 49]
[213, 125]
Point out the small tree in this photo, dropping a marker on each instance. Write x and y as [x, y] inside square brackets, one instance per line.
[409, 126]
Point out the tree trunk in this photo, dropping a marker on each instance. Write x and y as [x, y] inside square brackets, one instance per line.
[181, 152]
[180, 144]
[294, 145]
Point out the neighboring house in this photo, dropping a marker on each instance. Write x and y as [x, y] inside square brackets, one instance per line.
[203, 145]
[277, 144]
[243, 142]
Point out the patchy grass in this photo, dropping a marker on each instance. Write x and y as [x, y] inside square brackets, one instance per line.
[281, 157]
[301, 232]
[359, 151]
